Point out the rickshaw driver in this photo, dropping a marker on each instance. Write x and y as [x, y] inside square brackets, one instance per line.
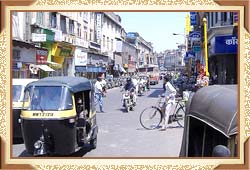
[170, 93]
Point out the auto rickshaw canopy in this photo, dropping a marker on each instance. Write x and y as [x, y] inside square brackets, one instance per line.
[75, 84]
[217, 106]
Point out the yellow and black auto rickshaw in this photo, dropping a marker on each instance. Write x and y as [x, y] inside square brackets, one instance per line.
[60, 117]
[211, 123]
[18, 86]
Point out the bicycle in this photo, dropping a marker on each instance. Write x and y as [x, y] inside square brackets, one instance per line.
[151, 117]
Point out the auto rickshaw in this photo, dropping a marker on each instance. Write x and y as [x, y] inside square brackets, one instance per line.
[18, 86]
[211, 123]
[60, 118]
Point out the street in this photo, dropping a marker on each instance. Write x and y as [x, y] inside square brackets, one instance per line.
[121, 135]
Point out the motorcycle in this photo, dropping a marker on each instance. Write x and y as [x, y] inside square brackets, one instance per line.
[128, 98]
[141, 89]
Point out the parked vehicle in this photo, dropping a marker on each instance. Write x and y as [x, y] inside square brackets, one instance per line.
[64, 124]
[211, 123]
[18, 86]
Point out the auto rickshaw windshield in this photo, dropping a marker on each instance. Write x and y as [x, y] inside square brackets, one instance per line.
[48, 98]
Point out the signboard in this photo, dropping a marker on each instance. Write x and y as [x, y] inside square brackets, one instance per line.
[193, 16]
[80, 42]
[195, 36]
[38, 37]
[224, 45]
[80, 58]
[98, 26]
[187, 26]
[41, 56]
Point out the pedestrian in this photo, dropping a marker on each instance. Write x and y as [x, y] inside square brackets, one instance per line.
[170, 93]
[103, 84]
[99, 93]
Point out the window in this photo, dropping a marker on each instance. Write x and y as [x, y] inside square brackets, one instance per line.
[79, 34]
[111, 44]
[63, 24]
[71, 26]
[103, 40]
[85, 34]
[53, 20]
[39, 18]
[216, 17]
[108, 43]
[91, 35]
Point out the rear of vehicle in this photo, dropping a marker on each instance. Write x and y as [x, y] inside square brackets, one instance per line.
[211, 123]
[18, 86]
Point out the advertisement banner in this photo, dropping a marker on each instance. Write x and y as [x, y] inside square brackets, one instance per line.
[193, 16]
[80, 58]
[224, 45]
[187, 24]
[41, 56]
[98, 26]
[38, 37]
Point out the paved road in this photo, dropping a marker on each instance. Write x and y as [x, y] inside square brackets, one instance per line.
[121, 135]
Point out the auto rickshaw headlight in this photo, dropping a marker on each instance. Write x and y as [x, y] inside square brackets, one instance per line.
[72, 120]
[38, 144]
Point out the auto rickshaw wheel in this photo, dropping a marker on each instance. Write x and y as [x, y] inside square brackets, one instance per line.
[93, 143]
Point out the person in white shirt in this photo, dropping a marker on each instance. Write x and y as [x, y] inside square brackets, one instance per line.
[99, 93]
[170, 93]
[103, 83]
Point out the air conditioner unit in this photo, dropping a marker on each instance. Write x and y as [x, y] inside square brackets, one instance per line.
[33, 21]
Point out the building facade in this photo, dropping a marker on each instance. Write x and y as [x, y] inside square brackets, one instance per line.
[74, 44]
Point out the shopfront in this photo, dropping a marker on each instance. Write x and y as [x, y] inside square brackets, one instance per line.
[62, 54]
[96, 63]
[223, 60]
[80, 62]
[23, 54]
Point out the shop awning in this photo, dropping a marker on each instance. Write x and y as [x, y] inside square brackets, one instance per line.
[54, 63]
[45, 68]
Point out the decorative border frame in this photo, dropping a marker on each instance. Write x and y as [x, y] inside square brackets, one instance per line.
[117, 163]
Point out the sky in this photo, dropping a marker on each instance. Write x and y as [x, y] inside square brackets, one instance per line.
[156, 27]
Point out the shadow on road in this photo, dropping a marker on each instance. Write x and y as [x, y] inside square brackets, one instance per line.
[83, 151]
[156, 93]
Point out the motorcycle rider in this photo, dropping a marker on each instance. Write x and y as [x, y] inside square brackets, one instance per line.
[129, 86]
[143, 83]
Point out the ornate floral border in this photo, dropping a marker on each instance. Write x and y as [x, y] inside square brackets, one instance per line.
[3, 80]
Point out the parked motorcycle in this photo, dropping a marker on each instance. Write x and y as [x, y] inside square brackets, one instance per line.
[128, 98]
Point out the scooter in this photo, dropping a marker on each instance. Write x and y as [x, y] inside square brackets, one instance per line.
[129, 100]
[141, 89]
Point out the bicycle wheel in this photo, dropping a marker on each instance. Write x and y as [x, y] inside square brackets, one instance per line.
[180, 115]
[150, 118]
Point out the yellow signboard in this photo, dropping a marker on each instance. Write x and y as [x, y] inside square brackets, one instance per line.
[187, 26]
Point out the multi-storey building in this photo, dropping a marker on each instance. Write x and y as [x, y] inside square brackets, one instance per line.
[222, 46]
[74, 43]
[145, 54]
